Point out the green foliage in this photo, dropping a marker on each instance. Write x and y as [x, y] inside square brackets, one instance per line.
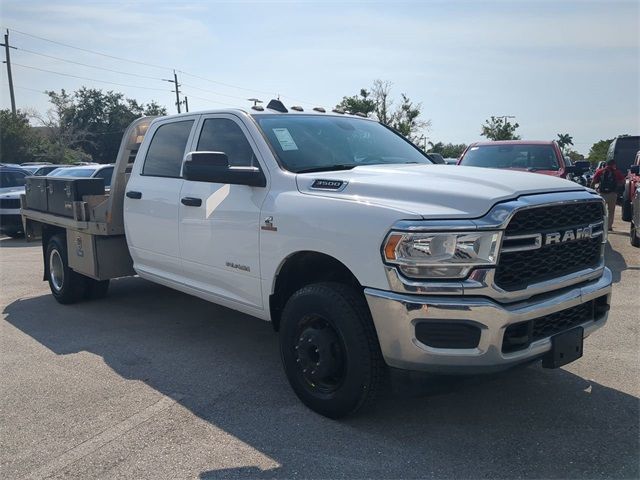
[564, 140]
[574, 156]
[362, 103]
[598, 151]
[376, 102]
[499, 128]
[16, 138]
[94, 121]
[448, 150]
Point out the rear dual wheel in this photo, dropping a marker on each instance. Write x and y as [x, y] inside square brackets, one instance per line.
[68, 286]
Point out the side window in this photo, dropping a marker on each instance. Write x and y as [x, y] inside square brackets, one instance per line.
[105, 174]
[166, 151]
[224, 135]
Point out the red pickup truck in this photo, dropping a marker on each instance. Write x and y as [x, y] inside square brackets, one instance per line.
[533, 156]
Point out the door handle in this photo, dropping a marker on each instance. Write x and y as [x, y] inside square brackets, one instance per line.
[191, 201]
[134, 195]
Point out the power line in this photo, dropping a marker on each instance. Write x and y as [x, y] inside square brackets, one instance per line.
[91, 51]
[27, 88]
[87, 65]
[229, 85]
[225, 84]
[211, 91]
[161, 67]
[87, 78]
[213, 101]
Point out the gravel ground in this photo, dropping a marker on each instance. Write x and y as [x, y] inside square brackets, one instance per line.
[151, 383]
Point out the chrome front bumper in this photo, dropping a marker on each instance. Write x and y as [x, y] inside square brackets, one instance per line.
[395, 316]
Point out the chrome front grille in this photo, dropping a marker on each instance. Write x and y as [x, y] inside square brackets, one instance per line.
[550, 241]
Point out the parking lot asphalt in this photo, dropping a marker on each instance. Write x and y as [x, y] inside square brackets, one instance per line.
[151, 383]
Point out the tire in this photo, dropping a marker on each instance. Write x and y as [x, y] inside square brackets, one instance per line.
[633, 235]
[96, 289]
[14, 233]
[328, 325]
[66, 285]
[627, 211]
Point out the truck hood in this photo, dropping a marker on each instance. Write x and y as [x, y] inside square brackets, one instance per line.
[430, 191]
[13, 193]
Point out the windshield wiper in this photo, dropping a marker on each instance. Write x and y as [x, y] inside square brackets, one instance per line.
[327, 168]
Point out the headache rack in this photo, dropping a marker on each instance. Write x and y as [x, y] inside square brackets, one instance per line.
[92, 219]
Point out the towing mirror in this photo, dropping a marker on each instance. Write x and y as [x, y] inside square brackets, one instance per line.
[213, 167]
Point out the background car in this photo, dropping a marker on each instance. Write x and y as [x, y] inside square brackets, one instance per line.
[435, 158]
[533, 156]
[623, 150]
[12, 181]
[88, 171]
[451, 161]
[634, 230]
[41, 170]
[630, 187]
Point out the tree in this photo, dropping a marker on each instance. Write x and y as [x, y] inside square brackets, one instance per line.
[362, 103]
[574, 156]
[377, 102]
[564, 140]
[17, 140]
[94, 121]
[598, 151]
[449, 150]
[499, 128]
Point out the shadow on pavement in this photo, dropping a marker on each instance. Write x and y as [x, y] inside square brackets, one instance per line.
[615, 261]
[224, 367]
[8, 242]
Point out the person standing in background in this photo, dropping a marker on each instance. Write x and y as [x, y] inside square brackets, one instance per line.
[607, 181]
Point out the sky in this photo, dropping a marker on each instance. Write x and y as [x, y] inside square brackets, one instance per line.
[557, 66]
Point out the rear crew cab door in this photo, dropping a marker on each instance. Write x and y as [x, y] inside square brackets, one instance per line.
[219, 239]
[152, 199]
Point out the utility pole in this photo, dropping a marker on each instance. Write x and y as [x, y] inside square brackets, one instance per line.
[186, 104]
[177, 89]
[9, 76]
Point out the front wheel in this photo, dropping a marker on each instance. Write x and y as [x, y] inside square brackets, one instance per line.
[330, 349]
[66, 285]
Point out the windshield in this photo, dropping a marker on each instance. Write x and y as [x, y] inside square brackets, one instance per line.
[72, 172]
[530, 157]
[10, 179]
[315, 143]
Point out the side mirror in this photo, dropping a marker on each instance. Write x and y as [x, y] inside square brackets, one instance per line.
[635, 169]
[213, 167]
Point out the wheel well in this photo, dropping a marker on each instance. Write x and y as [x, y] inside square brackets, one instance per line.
[49, 231]
[304, 268]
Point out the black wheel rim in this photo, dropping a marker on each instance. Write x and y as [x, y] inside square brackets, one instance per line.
[319, 354]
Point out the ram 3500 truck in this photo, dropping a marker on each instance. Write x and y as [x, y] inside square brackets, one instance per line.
[339, 231]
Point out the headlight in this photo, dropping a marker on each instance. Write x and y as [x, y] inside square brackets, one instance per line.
[441, 255]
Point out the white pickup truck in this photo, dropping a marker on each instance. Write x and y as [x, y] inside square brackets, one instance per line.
[362, 253]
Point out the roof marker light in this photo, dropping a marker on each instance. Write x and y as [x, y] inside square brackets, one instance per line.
[319, 109]
[297, 108]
